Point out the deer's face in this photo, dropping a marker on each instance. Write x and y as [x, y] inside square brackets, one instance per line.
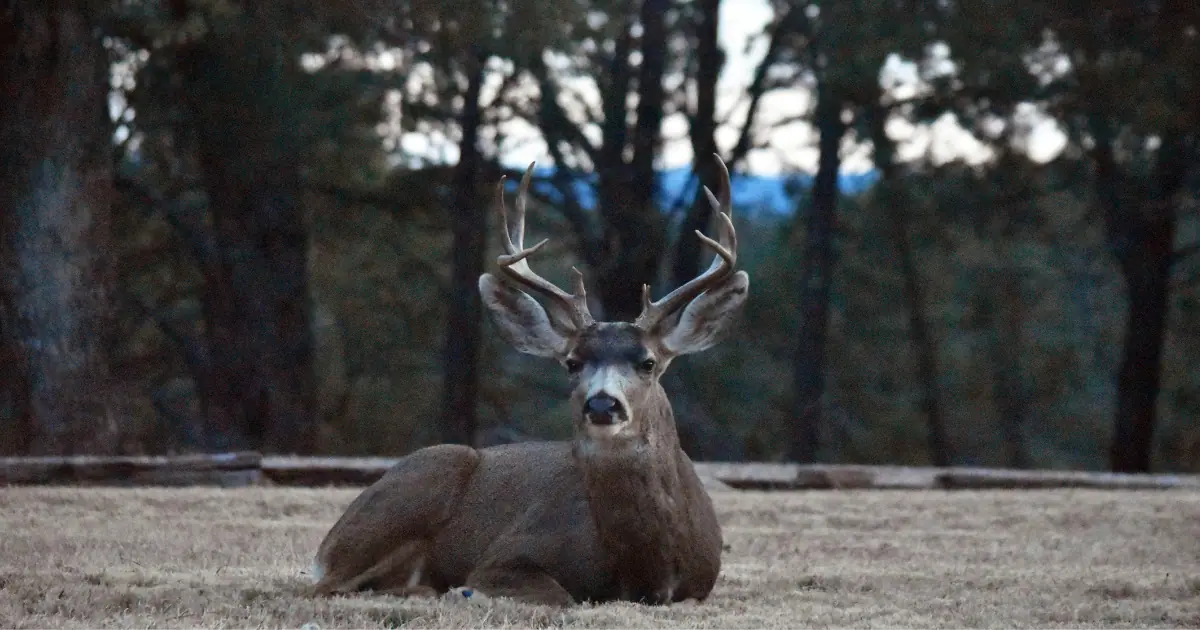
[614, 370]
[614, 366]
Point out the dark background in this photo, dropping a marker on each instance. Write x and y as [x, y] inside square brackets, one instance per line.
[211, 238]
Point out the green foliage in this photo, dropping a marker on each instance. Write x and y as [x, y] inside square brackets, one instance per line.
[1012, 255]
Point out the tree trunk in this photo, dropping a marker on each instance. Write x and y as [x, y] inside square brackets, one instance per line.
[635, 229]
[704, 144]
[1147, 276]
[56, 189]
[258, 390]
[633, 236]
[469, 224]
[701, 436]
[626, 251]
[1141, 235]
[895, 205]
[815, 282]
[918, 326]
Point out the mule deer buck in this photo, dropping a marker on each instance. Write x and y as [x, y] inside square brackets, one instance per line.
[617, 513]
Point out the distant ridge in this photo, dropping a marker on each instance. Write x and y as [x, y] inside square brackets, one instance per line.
[769, 194]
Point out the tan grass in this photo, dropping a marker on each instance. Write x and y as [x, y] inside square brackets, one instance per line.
[88, 558]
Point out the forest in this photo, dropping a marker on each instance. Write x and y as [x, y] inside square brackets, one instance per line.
[972, 228]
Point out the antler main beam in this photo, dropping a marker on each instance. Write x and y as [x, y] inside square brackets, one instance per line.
[654, 313]
[571, 306]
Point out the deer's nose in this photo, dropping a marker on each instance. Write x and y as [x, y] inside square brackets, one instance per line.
[602, 409]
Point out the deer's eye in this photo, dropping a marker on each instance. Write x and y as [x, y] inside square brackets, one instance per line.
[647, 365]
[574, 365]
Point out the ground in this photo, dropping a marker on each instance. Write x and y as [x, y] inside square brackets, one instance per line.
[76, 558]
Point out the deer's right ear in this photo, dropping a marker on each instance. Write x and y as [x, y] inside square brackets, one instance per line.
[521, 320]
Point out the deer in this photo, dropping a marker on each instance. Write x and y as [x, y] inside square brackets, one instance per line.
[617, 513]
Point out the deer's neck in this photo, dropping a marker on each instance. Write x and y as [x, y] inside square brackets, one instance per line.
[638, 492]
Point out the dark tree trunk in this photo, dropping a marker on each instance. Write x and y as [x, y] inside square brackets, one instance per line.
[1141, 234]
[633, 238]
[257, 390]
[647, 131]
[895, 205]
[469, 224]
[815, 282]
[918, 326]
[1139, 378]
[699, 433]
[625, 252]
[704, 144]
[635, 229]
[56, 188]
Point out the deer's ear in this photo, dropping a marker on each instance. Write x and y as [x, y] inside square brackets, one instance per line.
[521, 320]
[706, 320]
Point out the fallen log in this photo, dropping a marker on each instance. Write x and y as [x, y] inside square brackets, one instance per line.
[778, 476]
[984, 478]
[222, 469]
[248, 468]
[325, 471]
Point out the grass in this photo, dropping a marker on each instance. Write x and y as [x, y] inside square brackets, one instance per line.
[92, 558]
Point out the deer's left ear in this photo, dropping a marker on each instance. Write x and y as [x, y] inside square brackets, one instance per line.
[707, 319]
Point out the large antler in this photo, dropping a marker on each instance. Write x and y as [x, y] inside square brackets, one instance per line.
[566, 310]
[654, 313]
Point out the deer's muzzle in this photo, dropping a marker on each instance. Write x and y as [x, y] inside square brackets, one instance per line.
[603, 409]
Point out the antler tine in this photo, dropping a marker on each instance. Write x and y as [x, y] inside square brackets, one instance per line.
[519, 205]
[653, 313]
[516, 268]
[724, 208]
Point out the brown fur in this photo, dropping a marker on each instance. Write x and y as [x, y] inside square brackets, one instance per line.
[551, 522]
[616, 513]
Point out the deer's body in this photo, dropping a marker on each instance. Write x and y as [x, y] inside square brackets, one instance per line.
[618, 513]
[555, 523]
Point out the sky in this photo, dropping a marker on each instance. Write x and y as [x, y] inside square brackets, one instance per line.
[788, 148]
[785, 148]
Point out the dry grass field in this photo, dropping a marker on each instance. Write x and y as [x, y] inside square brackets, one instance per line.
[92, 558]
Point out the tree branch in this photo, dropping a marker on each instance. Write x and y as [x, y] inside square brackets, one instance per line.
[555, 125]
[195, 352]
[198, 236]
[1182, 254]
[647, 129]
[613, 98]
[791, 22]
[343, 193]
[507, 85]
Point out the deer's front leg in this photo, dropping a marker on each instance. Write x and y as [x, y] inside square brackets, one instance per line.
[519, 578]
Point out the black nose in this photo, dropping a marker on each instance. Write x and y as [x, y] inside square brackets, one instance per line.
[602, 407]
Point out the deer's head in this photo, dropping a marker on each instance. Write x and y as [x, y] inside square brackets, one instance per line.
[614, 366]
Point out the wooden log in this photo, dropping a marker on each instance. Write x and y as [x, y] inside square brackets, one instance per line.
[777, 476]
[325, 471]
[363, 471]
[823, 477]
[983, 478]
[222, 469]
[750, 476]
[906, 478]
[240, 469]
